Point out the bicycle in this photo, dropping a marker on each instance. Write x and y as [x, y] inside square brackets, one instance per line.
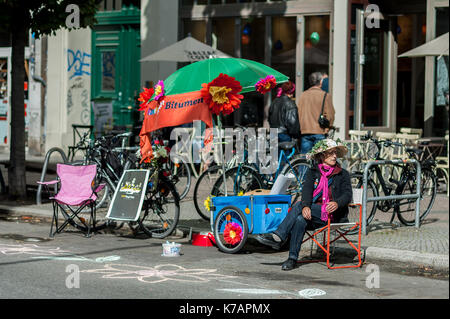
[177, 169]
[161, 207]
[404, 209]
[208, 178]
[245, 177]
[205, 183]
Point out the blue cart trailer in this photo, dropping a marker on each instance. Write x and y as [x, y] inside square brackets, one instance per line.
[235, 217]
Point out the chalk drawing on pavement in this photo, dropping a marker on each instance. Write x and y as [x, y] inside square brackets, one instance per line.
[30, 249]
[256, 291]
[311, 292]
[80, 258]
[157, 274]
[50, 253]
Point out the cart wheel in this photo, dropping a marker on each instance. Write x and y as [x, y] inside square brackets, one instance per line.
[230, 229]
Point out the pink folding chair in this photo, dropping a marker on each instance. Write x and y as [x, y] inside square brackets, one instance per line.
[75, 193]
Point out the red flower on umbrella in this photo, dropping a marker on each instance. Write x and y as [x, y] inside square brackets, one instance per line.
[266, 84]
[222, 94]
[144, 97]
[232, 233]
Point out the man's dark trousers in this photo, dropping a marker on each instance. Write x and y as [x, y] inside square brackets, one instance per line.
[296, 225]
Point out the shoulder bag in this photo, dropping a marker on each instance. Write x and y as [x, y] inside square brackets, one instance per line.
[323, 121]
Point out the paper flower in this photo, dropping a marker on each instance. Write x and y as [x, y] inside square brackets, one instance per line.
[232, 233]
[159, 90]
[326, 144]
[266, 84]
[144, 97]
[207, 203]
[222, 94]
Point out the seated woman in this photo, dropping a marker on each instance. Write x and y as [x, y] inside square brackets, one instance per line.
[327, 190]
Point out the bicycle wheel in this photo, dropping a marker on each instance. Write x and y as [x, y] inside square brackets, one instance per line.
[161, 210]
[230, 229]
[180, 177]
[203, 187]
[298, 168]
[406, 208]
[356, 180]
[239, 179]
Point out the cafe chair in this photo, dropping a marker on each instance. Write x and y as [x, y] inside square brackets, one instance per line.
[339, 230]
[76, 193]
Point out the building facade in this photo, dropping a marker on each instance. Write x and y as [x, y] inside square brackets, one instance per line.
[93, 76]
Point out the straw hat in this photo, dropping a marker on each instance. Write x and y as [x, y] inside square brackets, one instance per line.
[326, 145]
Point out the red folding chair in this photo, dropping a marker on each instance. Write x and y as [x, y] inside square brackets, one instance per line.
[342, 230]
[76, 192]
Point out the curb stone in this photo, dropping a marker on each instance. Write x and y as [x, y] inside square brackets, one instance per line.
[436, 261]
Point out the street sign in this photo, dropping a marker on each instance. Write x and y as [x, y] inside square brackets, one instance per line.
[129, 195]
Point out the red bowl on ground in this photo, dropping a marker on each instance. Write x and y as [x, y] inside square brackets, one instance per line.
[203, 239]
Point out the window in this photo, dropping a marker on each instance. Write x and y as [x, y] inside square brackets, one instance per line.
[284, 41]
[317, 46]
[108, 71]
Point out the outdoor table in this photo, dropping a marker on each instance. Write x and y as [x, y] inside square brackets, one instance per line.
[431, 146]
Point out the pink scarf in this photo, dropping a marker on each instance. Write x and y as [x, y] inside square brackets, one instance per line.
[325, 171]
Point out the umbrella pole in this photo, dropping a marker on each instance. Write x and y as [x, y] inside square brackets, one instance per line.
[219, 125]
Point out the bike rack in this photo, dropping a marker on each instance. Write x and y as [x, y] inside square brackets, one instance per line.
[372, 199]
[44, 170]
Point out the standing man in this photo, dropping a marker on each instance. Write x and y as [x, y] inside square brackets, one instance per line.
[309, 108]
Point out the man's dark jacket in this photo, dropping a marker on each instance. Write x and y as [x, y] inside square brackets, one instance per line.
[283, 114]
[341, 191]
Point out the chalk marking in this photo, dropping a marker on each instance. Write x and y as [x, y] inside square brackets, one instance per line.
[157, 274]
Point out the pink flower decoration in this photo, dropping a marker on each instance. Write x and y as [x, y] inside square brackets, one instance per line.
[266, 84]
[159, 90]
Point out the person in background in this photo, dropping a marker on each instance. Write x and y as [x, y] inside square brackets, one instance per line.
[309, 108]
[327, 191]
[283, 113]
[325, 82]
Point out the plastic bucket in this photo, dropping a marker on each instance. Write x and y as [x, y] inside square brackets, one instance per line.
[171, 249]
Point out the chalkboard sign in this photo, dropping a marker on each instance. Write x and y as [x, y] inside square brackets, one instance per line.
[129, 195]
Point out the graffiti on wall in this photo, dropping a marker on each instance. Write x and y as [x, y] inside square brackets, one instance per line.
[78, 67]
[78, 63]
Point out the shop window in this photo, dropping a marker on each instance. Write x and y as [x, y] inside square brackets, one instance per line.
[108, 71]
[317, 46]
[253, 39]
[284, 37]
[195, 28]
[441, 91]
[223, 35]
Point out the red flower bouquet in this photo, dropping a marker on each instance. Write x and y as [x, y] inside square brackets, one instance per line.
[266, 84]
[232, 233]
[144, 97]
[222, 94]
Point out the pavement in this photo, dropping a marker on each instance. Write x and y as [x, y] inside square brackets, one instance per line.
[427, 246]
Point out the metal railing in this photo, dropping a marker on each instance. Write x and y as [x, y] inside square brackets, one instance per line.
[390, 197]
[44, 170]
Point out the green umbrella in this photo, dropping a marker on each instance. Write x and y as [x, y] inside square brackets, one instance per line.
[191, 77]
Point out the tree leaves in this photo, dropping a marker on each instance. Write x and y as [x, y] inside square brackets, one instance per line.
[45, 17]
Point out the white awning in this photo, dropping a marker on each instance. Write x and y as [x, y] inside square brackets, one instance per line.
[436, 47]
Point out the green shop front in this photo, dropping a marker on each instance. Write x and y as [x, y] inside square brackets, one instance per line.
[115, 69]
